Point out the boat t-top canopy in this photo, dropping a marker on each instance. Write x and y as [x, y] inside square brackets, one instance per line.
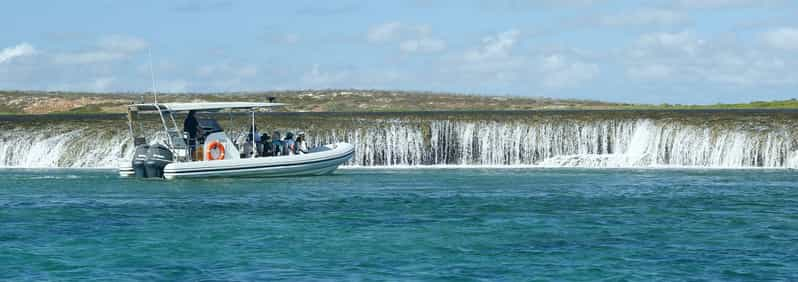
[208, 107]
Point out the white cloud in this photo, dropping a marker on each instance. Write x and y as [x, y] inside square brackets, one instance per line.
[102, 84]
[108, 49]
[20, 50]
[526, 5]
[496, 61]
[747, 68]
[281, 37]
[122, 44]
[98, 84]
[652, 71]
[412, 38]
[785, 38]
[228, 69]
[318, 78]
[575, 2]
[384, 32]
[494, 56]
[494, 47]
[644, 17]
[684, 57]
[159, 66]
[197, 6]
[382, 77]
[710, 4]
[173, 86]
[422, 45]
[290, 38]
[91, 57]
[559, 71]
[681, 42]
[222, 76]
[248, 71]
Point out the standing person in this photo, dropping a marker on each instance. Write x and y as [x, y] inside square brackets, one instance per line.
[191, 126]
[301, 144]
[277, 144]
[289, 146]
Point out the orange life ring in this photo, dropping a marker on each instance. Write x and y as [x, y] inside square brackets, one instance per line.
[214, 145]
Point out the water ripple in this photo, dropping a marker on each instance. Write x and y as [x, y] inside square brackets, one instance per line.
[468, 224]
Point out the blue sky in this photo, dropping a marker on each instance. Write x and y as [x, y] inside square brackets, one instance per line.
[680, 51]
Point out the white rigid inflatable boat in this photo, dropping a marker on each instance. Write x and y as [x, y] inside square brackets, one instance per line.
[320, 161]
[219, 156]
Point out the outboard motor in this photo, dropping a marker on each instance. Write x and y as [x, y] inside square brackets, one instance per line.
[158, 156]
[139, 159]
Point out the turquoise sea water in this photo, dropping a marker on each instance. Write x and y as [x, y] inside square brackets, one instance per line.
[438, 224]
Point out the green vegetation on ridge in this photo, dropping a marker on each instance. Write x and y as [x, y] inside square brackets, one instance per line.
[782, 104]
[346, 100]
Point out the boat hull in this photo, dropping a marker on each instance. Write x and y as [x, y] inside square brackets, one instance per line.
[320, 162]
[126, 168]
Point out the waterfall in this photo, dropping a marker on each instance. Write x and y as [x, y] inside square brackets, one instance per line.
[654, 144]
[50, 147]
[549, 142]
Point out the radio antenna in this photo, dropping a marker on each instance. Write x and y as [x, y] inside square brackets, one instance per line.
[152, 77]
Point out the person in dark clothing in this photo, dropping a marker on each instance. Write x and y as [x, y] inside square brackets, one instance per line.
[277, 144]
[289, 147]
[257, 138]
[191, 126]
[265, 145]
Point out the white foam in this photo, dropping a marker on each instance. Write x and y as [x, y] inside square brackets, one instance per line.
[547, 143]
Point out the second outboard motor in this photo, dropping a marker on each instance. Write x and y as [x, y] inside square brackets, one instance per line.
[139, 159]
[158, 156]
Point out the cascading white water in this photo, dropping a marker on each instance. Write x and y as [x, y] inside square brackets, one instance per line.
[51, 147]
[675, 144]
[571, 143]
[390, 144]
[549, 142]
[522, 143]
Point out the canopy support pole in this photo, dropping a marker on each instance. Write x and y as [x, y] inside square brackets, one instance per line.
[165, 127]
[254, 144]
[177, 130]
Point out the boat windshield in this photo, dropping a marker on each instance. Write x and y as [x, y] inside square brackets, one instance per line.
[209, 125]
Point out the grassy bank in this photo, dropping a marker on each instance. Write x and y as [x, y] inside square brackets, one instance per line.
[780, 104]
[19, 102]
[347, 100]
